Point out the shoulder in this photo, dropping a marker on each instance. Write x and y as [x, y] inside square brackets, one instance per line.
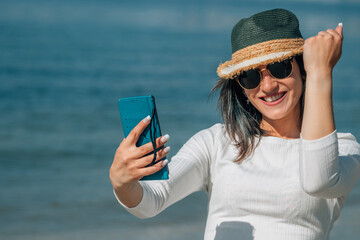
[217, 128]
[348, 144]
[214, 132]
[212, 137]
[203, 146]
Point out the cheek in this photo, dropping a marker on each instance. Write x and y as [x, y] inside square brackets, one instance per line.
[250, 94]
[297, 85]
[298, 89]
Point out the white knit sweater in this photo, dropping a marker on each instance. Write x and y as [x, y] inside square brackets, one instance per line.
[288, 189]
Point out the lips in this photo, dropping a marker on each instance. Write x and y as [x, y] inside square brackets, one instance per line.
[273, 99]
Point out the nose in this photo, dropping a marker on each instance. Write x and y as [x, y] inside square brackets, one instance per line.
[268, 83]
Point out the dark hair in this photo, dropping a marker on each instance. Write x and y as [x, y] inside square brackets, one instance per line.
[242, 119]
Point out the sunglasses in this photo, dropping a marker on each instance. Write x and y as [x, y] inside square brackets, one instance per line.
[251, 79]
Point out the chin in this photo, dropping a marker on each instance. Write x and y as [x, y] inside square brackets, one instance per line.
[280, 113]
[275, 116]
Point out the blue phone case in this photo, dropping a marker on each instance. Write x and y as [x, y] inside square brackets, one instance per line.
[132, 111]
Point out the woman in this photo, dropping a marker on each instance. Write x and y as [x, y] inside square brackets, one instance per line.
[276, 168]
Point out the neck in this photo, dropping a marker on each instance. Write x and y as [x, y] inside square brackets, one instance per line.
[288, 127]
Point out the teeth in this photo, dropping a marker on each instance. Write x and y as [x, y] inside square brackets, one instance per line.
[274, 98]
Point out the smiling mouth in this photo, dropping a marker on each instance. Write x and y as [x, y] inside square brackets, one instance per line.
[273, 98]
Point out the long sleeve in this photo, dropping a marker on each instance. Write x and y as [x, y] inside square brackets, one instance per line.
[329, 166]
[188, 173]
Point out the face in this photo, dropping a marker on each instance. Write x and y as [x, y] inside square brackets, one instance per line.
[277, 99]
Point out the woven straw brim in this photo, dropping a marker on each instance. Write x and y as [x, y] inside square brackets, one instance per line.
[262, 53]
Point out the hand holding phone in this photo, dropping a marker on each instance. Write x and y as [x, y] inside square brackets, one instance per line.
[130, 165]
[132, 111]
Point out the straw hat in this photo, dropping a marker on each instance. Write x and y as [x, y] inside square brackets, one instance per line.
[263, 38]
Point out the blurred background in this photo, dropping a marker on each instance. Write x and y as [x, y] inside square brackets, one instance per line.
[63, 66]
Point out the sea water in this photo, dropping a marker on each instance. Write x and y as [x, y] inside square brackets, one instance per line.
[64, 64]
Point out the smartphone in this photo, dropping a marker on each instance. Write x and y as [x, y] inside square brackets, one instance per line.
[132, 111]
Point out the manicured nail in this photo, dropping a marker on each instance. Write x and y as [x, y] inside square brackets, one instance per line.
[340, 24]
[164, 162]
[147, 119]
[164, 138]
[167, 149]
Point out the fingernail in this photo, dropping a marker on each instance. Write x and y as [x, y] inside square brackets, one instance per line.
[167, 149]
[147, 119]
[340, 24]
[164, 162]
[164, 138]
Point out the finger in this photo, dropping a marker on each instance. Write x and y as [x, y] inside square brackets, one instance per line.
[323, 33]
[339, 30]
[122, 142]
[154, 168]
[147, 148]
[334, 33]
[135, 133]
[145, 161]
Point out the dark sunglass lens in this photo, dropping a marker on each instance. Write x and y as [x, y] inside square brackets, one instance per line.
[249, 79]
[281, 69]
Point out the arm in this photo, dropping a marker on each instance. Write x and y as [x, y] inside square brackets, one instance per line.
[324, 171]
[321, 53]
[329, 166]
[189, 172]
